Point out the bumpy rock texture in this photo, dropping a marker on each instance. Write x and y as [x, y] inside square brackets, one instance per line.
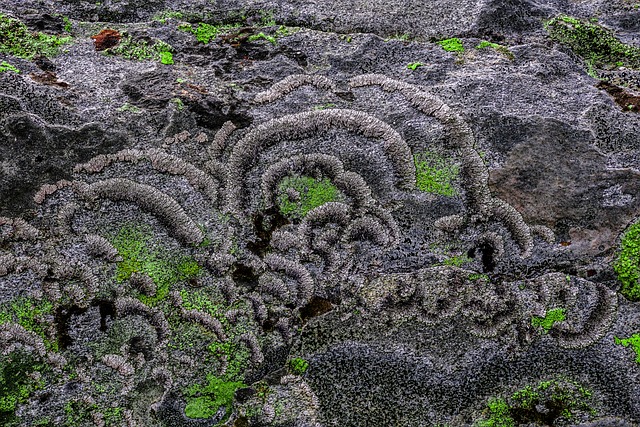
[319, 214]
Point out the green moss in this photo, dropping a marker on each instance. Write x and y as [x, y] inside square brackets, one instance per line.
[478, 276]
[456, 260]
[540, 404]
[498, 415]
[435, 174]
[452, 45]
[598, 46]
[78, 413]
[5, 66]
[139, 255]
[16, 384]
[633, 341]
[31, 315]
[180, 106]
[546, 323]
[143, 50]
[166, 15]
[498, 47]
[126, 107]
[236, 353]
[205, 33]
[204, 401]
[627, 265]
[298, 365]
[263, 36]
[414, 65]
[17, 40]
[311, 194]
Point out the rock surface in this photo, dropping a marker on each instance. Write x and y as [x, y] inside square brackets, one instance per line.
[324, 213]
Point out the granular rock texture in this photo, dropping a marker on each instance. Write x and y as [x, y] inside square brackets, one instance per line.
[381, 213]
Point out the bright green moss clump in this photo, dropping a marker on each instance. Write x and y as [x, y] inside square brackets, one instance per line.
[142, 50]
[633, 341]
[598, 46]
[498, 415]
[546, 323]
[17, 40]
[205, 33]
[300, 194]
[140, 256]
[627, 265]
[204, 401]
[31, 315]
[452, 45]
[298, 365]
[435, 174]
[5, 66]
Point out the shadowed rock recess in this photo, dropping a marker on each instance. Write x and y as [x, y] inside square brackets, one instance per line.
[333, 213]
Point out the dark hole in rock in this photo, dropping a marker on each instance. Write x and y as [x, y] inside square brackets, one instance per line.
[107, 309]
[315, 307]
[265, 224]
[487, 256]
[244, 394]
[244, 275]
[62, 318]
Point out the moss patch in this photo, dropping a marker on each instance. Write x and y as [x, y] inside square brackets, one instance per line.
[300, 194]
[31, 315]
[298, 365]
[498, 47]
[633, 341]
[205, 33]
[598, 46]
[435, 174]
[546, 323]
[16, 384]
[452, 45]
[5, 67]
[627, 265]
[17, 40]
[139, 255]
[204, 401]
[143, 50]
[544, 403]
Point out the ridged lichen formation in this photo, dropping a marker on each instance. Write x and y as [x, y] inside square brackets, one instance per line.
[291, 83]
[302, 125]
[475, 175]
[151, 199]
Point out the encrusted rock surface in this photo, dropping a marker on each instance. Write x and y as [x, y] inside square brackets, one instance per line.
[288, 213]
